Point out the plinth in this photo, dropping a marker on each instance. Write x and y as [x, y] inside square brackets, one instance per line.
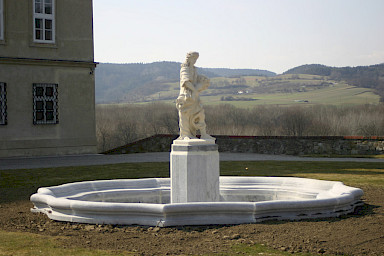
[194, 171]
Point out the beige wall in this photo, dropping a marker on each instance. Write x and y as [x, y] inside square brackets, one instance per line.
[68, 63]
[74, 33]
[75, 132]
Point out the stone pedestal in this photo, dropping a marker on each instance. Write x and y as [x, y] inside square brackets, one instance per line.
[194, 171]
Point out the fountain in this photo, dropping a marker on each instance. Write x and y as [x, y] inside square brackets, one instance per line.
[243, 200]
[195, 194]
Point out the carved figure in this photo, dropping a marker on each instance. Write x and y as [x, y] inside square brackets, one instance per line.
[191, 112]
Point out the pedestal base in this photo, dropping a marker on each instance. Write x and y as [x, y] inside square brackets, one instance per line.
[194, 171]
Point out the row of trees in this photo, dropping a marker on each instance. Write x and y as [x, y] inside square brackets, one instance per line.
[121, 124]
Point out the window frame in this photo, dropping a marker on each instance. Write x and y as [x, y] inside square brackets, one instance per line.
[44, 17]
[3, 103]
[1, 20]
[44, 99]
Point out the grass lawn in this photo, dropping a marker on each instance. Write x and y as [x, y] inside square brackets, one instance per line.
[13, 243]
[18, 185]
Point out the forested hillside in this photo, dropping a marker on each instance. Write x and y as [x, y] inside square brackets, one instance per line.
[363, 76]
[131, 82]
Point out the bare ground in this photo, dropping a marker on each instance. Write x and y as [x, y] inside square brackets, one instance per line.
[361, 233]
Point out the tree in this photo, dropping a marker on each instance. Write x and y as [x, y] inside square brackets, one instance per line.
[295, 121]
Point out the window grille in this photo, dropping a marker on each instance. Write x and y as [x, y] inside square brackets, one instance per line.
[45, 104]
[3, 103]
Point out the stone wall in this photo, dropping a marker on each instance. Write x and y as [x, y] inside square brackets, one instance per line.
[302, 145]
[278, 145]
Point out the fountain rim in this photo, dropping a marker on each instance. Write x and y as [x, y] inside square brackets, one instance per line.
[343, 201]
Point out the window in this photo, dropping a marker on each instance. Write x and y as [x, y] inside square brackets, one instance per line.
[44, 21]
[1, 20]
[3, 103]
[45, 107]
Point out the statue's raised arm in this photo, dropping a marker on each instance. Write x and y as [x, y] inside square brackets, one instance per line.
[191, 112]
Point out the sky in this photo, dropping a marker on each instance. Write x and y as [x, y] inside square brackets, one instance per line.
[273, 35]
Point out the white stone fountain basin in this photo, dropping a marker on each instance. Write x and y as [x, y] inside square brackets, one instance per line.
[243, 200]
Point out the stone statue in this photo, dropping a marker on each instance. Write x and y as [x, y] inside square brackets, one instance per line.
[191, 112]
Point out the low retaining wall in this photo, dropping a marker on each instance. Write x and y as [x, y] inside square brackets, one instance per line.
[277, 145]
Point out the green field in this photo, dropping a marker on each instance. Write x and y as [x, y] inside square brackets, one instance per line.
[340, 94]
[304, 90]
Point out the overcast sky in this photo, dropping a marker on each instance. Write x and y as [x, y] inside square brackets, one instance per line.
[275, 35]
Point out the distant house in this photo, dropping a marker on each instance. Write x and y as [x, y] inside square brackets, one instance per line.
[47, 86]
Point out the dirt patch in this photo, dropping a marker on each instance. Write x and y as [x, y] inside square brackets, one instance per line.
[361, 233]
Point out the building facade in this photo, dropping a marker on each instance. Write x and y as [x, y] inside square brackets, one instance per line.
[47, 87]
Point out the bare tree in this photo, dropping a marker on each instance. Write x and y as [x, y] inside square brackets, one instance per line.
[120, 124]
[296, 121]
[126, 131]
[169, 120]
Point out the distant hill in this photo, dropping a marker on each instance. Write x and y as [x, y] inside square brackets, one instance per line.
[115, 81]
[138, 82]
[226, 72]
[311, 69]
[127, 82]
[363, 76]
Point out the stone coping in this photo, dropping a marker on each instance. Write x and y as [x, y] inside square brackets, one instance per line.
[194, 145]
[193, 142]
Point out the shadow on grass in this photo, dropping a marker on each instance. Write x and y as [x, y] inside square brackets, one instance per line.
[363, 210]
[359, 212]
